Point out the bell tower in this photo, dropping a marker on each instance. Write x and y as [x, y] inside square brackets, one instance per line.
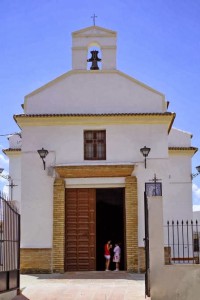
[95, 46]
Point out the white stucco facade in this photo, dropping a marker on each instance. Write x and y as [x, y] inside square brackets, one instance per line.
[132, 114]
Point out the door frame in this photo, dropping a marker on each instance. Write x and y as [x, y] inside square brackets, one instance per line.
[131, 209]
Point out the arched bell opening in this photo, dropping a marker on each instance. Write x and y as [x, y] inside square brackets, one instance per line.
[94, 57]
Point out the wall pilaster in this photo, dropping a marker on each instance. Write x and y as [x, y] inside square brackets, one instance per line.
[59, 225]
[131, 207]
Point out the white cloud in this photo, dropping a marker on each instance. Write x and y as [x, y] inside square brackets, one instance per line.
[196, 197]
[6, 190]
[196, 207]
[3, 182]
[3, 161]
[196, 191]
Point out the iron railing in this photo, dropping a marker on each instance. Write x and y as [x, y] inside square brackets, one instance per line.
[9, 245]
[183, 242]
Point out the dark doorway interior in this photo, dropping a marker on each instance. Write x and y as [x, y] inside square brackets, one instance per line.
[109, 223]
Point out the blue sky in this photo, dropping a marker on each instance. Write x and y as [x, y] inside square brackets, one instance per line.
[158, 44]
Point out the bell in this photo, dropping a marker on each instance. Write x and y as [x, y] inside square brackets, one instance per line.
[94, 59]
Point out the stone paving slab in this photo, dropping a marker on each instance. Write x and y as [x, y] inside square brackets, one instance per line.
[82, 286]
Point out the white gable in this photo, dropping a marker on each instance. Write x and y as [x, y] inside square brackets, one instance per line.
[104, 90]
[94, 92]
[179, 138]
[15, 141]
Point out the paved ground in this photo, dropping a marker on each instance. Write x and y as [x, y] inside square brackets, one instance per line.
[83, 286]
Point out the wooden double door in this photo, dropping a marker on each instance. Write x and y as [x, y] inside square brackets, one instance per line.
[80, 230]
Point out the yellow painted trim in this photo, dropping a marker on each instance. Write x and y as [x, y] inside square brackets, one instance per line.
[55, 80]
[80, 48]
[109, 47]
[164, 105]
[95, 35]
[12, 152]
[138, 82]
[182, 151]
[86, 47]
[97, 120]
[94, 171]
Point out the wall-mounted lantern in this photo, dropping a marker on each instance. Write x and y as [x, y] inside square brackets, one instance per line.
[145, 152]
[43, 153]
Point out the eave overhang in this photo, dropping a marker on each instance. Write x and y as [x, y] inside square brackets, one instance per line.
[184, 151]
[12, 151]
[188, 151]
[24, 120]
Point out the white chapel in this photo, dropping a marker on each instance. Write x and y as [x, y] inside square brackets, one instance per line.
[91, 142]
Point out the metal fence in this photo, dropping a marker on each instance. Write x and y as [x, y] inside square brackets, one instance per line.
[9, 245]
[182, 242]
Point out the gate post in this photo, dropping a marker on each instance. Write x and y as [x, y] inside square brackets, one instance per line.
[146, 242]
[156, 239]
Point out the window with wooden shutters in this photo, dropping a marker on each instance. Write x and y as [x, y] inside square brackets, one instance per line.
[95, 145]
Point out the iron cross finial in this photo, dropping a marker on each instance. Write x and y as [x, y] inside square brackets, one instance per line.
[93, 17]
[157, 190]
[155, 179]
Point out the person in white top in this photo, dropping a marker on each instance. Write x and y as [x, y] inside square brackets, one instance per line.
[117, 255]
